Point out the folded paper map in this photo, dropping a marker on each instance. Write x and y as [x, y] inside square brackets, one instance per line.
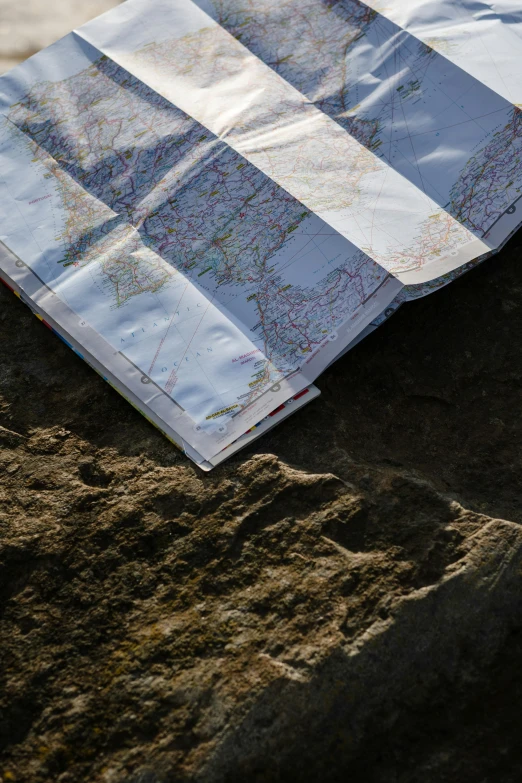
[211, 201]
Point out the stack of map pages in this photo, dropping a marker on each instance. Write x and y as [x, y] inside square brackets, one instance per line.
[211, 201]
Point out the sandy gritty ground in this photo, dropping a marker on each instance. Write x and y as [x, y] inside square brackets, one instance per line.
[342, 601]
[26, 26]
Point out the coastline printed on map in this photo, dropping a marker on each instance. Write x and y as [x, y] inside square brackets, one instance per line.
[402, 152]
[221, 197]
[218, 286]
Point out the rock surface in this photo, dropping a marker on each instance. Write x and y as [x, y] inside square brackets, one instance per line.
[342, 601]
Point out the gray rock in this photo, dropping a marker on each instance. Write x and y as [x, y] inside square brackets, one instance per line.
[342, 601]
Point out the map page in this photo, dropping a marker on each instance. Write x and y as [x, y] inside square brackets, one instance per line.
[212, 201]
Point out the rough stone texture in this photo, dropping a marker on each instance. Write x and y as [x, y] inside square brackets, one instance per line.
[342, 601]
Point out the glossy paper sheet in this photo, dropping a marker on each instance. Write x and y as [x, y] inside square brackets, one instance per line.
[225, 195]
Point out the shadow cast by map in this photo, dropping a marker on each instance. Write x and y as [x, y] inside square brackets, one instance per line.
[434, 390]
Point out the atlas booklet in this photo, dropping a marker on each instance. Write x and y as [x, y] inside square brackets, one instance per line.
[211, 201]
